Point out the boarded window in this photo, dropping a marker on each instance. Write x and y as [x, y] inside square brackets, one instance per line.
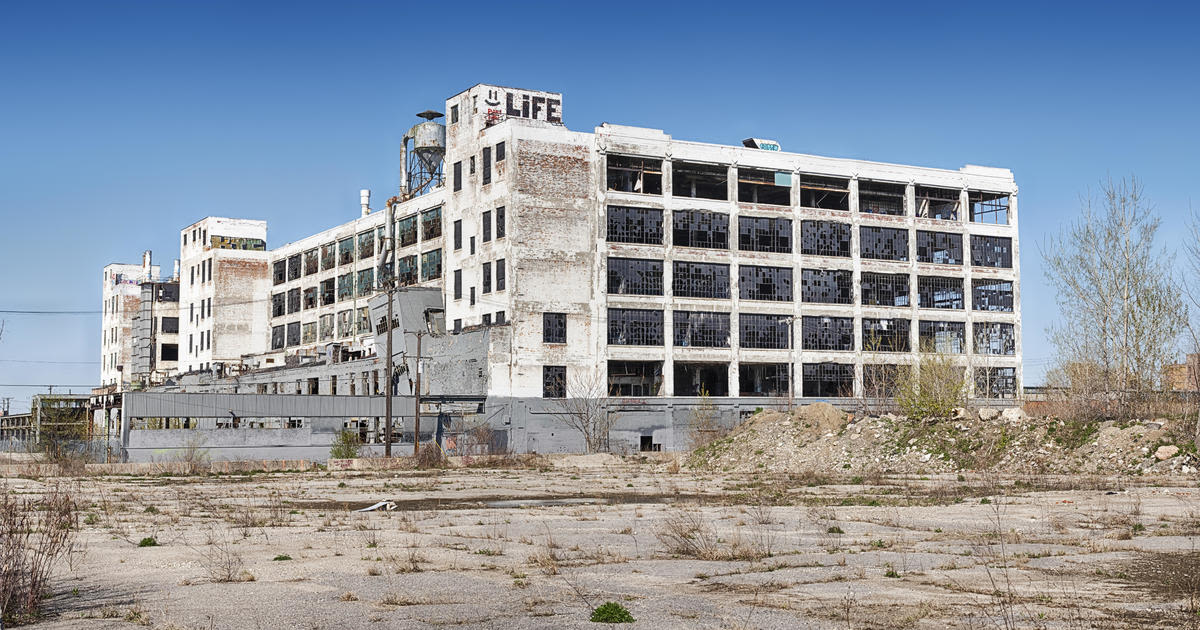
[825, 238]
[634, 378]
[825, 193]
[554, 328]
[884, 289]
[881, 243]
[826, 286]
[635, 327]
[885, 335]
[701, 181]
[939, 247]
[554, 381]
[940, 292]
[881, 198]
[701, 329]
[701, 379]
[635, 276]
[457, 234]
[763, 379]
[937, 203]
[696, 228]
[828, 380]
[635, 225]
[703, 280]
[769, 187]
[995, 338]
[988, 207]
[763, 234]
[944, 337]
[991, 251]
[991, 295]
[499, 152]
[634, 174]
[763, 331]
[999, 382]
[765, 283]
[827, 333]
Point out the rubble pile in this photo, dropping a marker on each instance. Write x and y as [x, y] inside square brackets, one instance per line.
[821, 438]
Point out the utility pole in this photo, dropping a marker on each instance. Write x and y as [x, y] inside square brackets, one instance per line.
[417, 400]
[791, 320]
[391, 297]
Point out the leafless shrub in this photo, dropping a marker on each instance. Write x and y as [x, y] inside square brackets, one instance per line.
[588, 408]
[687, 533]
[195, 457]
[704, 426]
[34, 536]
[222, 563]
[430, 456]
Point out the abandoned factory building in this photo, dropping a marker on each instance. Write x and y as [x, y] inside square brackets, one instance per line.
[551, 260]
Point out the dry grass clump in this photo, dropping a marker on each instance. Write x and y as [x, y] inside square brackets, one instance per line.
[34, 536]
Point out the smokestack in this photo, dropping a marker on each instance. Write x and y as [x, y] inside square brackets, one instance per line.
[175, 271]
[146, 266]
[364, 200]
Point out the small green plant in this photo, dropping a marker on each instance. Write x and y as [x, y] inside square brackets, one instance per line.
[91, 519]
[856, 480]
[150, 509]
[961, 478]
[148, 542]
[984, 501]
[341, 484]
[611, 612]
[281, 557]
[834, 529]
[1138, 527]
[891, 572]
[347, 446]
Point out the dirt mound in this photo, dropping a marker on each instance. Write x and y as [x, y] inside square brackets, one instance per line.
[819, 437]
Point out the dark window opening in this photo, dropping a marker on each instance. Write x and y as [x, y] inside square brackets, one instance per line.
[366, 245]
[765, 283]
[943, 337]
[702, 280]
[827, 333]
[635, 327]
[170, 352]
[487, 165]
[554, 381]
[884, 289]
[500, 274]
[635, 225]
[635, 276]
[295, 269]
[170, 325]
[293, 334]
[406, 270]
[770, 187]
[828, 380]
[996, 382]
[881, 243]
[499, 152]
[500, 318]
[825, 193]
[825, 238]
[554, 328]
[293, 301]
[328, 294]
[700, 181]
[472, 294]
[487, 319]
[988, 207]
[767, 332]
[277, 337]
[701, 329]
[458, 284]
[278, 272]
[311, 265]
[635, 378]
[457, 176]
[431, 223]
[345, 289]
[346, 251]
[992, 295]
[826, 286]
[500, 221]
[278, 305]
[763, 379]
[457, 234]
[328, 256]
[937, 203]
[995, 338]
[761, 234]
[939, 247]
[991, 251]
[487, 226]
[882, 380]
[487, 278]
[881, 198]
[885, 335]
[696, 228]
[701, 379]
[431, 264]
[310, 298]
[635, 174]
[940, 292]
[406, 231]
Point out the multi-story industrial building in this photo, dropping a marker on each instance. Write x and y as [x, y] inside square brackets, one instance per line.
[121, 293]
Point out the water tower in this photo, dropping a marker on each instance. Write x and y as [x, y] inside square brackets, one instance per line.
[421, 166]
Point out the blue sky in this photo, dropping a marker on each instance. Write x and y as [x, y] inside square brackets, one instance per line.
[120, 123]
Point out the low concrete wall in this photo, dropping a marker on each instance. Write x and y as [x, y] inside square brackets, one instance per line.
[161, 468]
[28, 470]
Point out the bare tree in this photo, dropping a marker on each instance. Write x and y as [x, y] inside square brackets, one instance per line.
[587, 408]
[1120, 309]
[1191, 285]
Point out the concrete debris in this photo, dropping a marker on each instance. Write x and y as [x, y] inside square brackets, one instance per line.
[1166, 452]
[382, 505]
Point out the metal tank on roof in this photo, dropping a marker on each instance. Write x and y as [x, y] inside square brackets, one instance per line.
[421, 167]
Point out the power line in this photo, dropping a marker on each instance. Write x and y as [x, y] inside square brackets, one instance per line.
[20, 312]
[47, 386]
[49, 362]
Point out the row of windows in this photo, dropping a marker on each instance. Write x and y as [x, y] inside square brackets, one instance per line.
[349, 322]
[711, 181]
[486, 223]
[457, 169]
[818, 380]
[361, 247]
[710, 230]
[356, 284]
[498, 268]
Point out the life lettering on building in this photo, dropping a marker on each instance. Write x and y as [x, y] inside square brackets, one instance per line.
[533, 107]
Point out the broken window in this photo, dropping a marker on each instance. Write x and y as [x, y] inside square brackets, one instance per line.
[884, 289]
[457, 176]
[554, 328]
[431, 223]
[293, 334]
[885, 335]
[500, 219]
[635, 276]
[345, 286]
[308, 333]
[366, 245]
[996, 382]
[326, 322]
[939, 247]
[486, 224]
[328, 294]
[828, 380]
[406, 270]
[825, 193]
[944, 337]
[881, 380]
[364, 320]
[431, 265]
[882, 243]
[346, 251]
[635, 378]
[702, 280]
[827, 333]
[487, 278]
[759, 186]
[940, 292]
[293, 301]
[765, 283]
[987, 207]
[554, 381]
[701, 379]
[762, 234]
[763, 379]
[824, 238]
[995, 338]
[767, 332]
[345, 323]
[310, 262]
[366, 282]
[937, 203]
[701, 181]
[826, 286]
[991, 295]
[406, 231]
[634, 174]
[277, 337]
[278, 272]
[278, 305]
[697, 228]
[701, 329]
[881, 198]
[991, 251]
[310, 298]
[635, 225]
[635, 327]
[294, 268]
[328, 256]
